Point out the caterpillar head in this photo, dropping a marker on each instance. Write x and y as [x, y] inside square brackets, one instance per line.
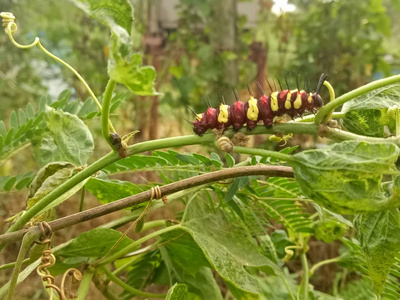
[316, 97]
[199, 127]
[318, 103]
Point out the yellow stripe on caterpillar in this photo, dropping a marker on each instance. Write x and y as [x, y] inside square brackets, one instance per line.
[223, 113]
[288, 104]
[252, 112]
[199, 117]
[274, 101]
[297, 102]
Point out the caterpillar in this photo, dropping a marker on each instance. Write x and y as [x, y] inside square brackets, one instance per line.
[291, 102]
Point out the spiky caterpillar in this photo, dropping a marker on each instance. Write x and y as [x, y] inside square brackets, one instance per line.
[291, 102]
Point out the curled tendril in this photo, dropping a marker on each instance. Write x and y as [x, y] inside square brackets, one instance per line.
[11, 27]
[225, 144]
[76, 275]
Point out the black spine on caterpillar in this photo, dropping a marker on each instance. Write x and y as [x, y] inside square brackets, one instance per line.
[291, 102]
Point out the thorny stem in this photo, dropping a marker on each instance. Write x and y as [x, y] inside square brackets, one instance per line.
[324, 111]
[127, 287]
[12, 27]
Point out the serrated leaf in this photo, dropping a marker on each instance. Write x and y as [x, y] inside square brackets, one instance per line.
[227, 247]
[94, 243]
[379, 235]
[346, 177]
[71, 136]
[107, 191]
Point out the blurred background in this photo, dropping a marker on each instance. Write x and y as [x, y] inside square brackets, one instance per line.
[199, 49]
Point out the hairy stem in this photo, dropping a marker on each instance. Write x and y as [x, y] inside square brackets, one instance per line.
[127, 287]
[324, 111]
[105, 111]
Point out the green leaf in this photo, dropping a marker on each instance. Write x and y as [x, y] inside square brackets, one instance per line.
[178, 291]
[347, 177]
[230, 160]
[107, 191]
[368, 113]
[71, 135]
[126, 68]
[187, 264]
[116, 14]
[47, 179]
[227, 247]
[379, 235]
[94, 243]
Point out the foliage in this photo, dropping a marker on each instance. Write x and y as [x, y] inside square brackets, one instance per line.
[231, 237]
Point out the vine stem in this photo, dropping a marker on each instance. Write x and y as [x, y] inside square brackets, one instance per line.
[304, 264]
[279, 171]
[127, 287]
[322, 263]
[85, 283]
[105, 111]
[134, 245]
[27, 241]
[327, 109]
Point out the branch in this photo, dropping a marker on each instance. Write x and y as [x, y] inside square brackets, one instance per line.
[277, 171]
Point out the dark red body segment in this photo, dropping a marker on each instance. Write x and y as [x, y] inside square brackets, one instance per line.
[237, 115]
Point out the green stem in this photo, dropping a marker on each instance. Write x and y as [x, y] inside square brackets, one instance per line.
[262, 152]
[322, 263]
[27, 241]
[12, 265]
[66, 186]
[85, 283]
[134, 245]
[305, 280]
[128, 288]
[397, 114]
[105, 110]
[153, 224]
[128, 263]
[82, 200]
[340, 135]
[324, 111]
[287, 287]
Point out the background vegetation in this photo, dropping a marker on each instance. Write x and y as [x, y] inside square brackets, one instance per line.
[354, 42]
